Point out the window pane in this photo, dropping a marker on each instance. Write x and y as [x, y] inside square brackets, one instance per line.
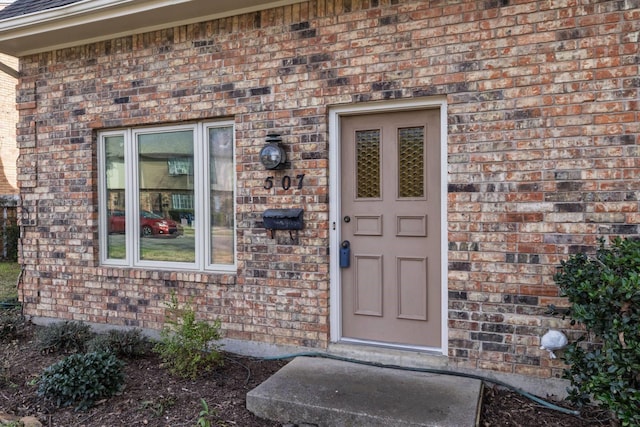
[182, 202]
[221, 174]
[411, 162]
[115, 183]
[165, 169]
[368, 164]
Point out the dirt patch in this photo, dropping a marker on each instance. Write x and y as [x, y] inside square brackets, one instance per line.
[153, 397]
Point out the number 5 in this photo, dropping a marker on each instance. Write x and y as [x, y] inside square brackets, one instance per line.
[268, 183]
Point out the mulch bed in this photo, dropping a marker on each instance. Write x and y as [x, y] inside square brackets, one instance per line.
[154, 397]
[501, 407]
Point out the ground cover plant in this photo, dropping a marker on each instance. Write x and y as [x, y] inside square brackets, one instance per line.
[82, 379]
[128, 344]
[64, 337]
[12, 324]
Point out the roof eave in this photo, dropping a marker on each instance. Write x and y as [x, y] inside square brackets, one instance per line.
[90, 21]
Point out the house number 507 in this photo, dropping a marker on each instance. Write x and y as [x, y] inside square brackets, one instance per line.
[286, 182]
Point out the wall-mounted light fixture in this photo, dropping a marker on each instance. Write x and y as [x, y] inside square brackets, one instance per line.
[272, 155]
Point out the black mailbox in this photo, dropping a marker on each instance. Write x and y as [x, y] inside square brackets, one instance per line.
[283, 219]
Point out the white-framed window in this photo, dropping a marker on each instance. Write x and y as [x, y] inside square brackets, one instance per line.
[182, 202]
[167, 197]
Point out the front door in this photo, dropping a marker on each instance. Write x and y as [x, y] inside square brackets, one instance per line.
[390, 213]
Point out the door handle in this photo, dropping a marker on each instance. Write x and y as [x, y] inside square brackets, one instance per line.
[347, 218]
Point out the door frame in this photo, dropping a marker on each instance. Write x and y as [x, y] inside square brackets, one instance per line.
[335, 183]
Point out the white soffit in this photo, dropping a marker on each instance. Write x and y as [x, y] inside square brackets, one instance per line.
[90, 21]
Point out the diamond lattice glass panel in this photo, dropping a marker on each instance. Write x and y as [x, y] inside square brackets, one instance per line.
[368, 164]
[411, 162]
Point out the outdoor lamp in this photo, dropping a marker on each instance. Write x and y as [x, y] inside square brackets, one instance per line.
[272, 155]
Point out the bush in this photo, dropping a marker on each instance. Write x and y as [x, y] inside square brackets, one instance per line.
[66, 337]
[12, 235]
[82, 379]
[129, 344]
[12, 324]
[604, 292]
[186, 345]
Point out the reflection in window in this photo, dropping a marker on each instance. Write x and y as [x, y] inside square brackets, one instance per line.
[164, 160]
[115, 192]
[221, 195]
[182, 202]
[178, 184]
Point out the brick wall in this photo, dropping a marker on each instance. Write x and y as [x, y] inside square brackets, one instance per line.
[542, 156]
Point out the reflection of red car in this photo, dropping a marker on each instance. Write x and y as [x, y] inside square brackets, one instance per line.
[150, 224]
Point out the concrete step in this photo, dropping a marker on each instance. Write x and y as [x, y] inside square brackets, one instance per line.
[331, 393]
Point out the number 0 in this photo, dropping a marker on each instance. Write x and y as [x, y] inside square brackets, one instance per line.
[286, 182]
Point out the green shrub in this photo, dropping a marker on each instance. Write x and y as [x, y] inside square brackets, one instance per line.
[64, 337]
[129, 344]
[12, 235]
[187, 345]
[604, 292]
[82, 379]
[12, 324]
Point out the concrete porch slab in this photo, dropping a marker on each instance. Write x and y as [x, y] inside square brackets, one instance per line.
[327, 392]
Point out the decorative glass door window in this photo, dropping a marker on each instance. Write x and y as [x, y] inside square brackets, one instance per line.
[368, 164]
[411, 162]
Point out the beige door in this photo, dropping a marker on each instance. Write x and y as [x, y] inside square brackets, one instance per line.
[390, 213]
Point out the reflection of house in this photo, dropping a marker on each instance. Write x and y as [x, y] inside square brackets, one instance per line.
[461, 148]
[166, 174]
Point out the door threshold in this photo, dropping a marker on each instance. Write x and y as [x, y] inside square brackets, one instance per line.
[384, 354]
